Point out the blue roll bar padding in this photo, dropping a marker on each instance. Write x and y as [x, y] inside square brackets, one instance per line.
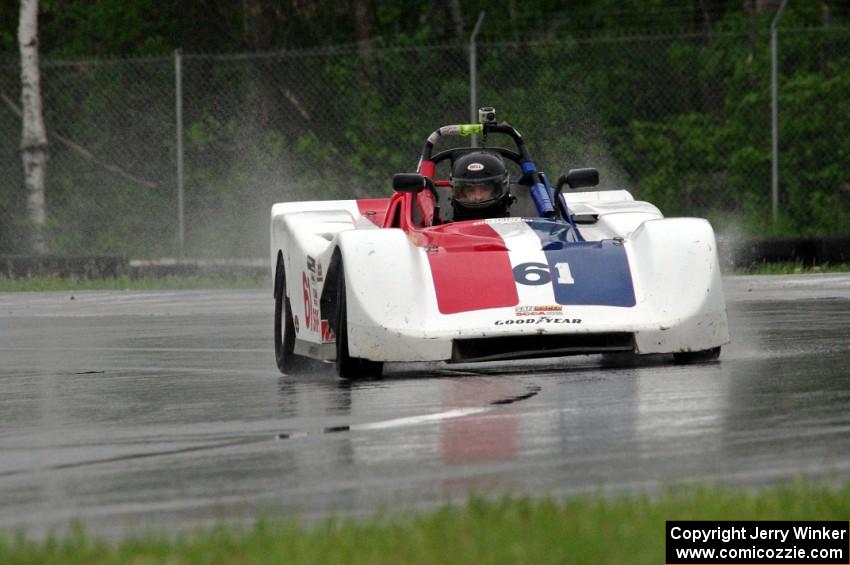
[542, 199]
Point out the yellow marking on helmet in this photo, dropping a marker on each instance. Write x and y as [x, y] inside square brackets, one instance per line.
[469, 129]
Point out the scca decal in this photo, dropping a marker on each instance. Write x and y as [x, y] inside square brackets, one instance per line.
[543, 310]
[541, 320]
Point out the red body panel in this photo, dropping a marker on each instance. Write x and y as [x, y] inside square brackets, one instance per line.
[375, 209]
[469, 265]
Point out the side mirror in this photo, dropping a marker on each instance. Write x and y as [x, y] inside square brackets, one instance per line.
[408, 182]
[579, 178]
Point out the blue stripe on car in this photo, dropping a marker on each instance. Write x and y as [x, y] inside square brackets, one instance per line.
[599, 269]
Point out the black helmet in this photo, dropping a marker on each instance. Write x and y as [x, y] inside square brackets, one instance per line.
[480, 186]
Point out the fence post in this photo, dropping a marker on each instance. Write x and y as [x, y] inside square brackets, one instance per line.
[473, 78]
[178, 87]
[774, 111]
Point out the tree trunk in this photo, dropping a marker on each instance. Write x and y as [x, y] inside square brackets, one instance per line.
[761, 6]
[711, 11]
[706, 7]
[457, 20]
[362, 13]
[363, 26]
[261, 19]
[33, 138]
[512, 14]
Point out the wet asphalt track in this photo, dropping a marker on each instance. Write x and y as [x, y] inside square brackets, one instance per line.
[163, 410]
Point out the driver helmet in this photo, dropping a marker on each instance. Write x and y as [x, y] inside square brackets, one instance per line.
[480, 186]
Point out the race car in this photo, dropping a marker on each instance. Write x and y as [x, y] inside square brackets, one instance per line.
[557, 272]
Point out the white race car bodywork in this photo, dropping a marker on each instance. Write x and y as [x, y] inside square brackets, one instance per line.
[659, 293]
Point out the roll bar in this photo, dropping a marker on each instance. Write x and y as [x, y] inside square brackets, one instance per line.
[541, 193]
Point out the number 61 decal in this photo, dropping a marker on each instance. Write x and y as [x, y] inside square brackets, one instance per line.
[535, 274]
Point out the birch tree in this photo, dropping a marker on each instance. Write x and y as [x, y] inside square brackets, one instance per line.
[34, 137]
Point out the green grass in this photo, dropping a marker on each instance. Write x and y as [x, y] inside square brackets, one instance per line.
[587, 529]
[792, 268]
[42, 283]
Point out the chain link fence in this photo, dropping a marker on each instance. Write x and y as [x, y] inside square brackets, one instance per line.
[683, 122]
[110, 172]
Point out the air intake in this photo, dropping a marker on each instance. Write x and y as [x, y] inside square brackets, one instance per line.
[546, 345]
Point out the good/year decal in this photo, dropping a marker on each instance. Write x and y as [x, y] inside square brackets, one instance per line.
[538, 320]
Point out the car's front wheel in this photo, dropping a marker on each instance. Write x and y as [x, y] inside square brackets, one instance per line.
[284, 328]
[349, 367]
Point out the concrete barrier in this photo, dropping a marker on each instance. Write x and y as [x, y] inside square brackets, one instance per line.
[89, 266]
[215, 268]
[808, 251]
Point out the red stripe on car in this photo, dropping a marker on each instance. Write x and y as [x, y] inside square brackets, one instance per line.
[470, 267]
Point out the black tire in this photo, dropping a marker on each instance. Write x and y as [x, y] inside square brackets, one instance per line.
[691, 357]
[284, 328]
[348, 367]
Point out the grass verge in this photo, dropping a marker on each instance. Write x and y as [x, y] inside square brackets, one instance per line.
[42, 283]
[587, 529]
